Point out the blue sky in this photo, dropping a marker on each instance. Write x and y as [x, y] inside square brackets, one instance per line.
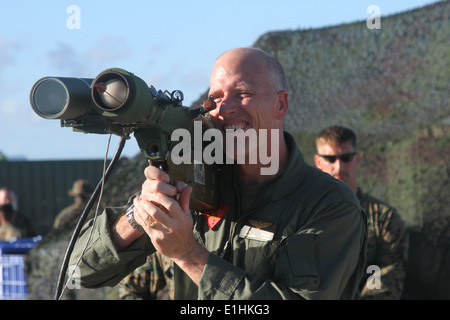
[170, 44]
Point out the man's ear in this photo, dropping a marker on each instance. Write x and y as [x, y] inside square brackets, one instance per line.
[283, 104]
[317, 160]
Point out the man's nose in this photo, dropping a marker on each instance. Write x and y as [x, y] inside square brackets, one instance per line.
[227, 106]
[338, 164]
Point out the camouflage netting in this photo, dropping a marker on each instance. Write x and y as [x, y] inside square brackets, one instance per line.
[391, 87]
[43, 264]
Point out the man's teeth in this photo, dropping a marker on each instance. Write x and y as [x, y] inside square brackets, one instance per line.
[235, 126]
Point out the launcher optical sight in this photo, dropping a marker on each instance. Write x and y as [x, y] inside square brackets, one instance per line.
[118, 102]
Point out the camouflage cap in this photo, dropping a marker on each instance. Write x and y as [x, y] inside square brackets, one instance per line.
[81, 188]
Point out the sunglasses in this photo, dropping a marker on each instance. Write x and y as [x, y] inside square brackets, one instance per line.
[346, 157]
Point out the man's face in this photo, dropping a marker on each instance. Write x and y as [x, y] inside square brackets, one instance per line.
[246, 96]
[7, 196]
[341, 170]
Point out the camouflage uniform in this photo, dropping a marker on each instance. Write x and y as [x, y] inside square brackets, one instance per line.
[9, 232]
[387, 248]
[68, 217]
[151, 281]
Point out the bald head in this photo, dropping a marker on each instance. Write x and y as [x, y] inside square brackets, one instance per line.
[254, 60]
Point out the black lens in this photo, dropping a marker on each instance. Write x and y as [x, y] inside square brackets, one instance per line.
[331, 159]
[61, 97]
[347, 157]
[49, 98]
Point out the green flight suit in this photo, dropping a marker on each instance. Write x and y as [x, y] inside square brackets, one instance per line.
[301, 236]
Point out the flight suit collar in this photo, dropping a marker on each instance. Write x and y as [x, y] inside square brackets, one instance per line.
[281, 185]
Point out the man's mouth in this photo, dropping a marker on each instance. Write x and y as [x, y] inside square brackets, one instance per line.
[340, 176]
[236, 126]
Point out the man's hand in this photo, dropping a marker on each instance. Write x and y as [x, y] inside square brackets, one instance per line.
[163, 211]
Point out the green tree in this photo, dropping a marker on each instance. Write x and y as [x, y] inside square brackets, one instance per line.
[3, 157]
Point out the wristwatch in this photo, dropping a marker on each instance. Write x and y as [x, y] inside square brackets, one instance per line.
[131, 220]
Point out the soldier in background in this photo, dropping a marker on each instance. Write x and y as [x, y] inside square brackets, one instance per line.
[387, 242]
[68, 217]
[7, 230]
[18, 220]
[151, 281]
